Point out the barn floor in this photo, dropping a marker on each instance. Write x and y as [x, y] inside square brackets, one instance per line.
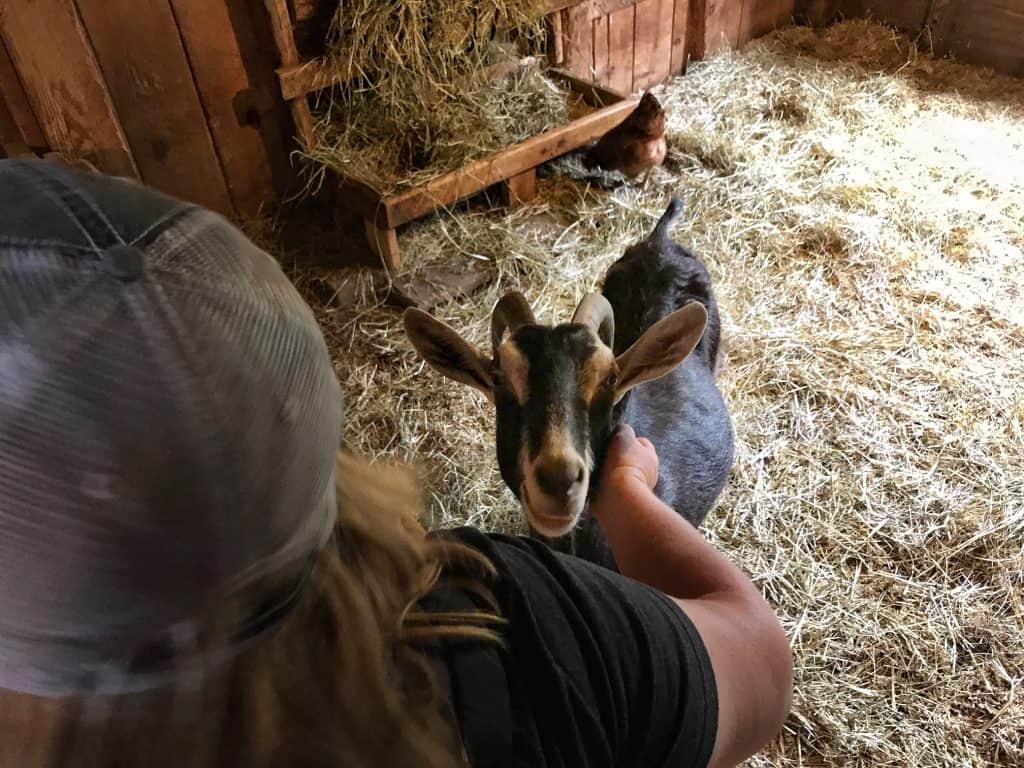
[861, 207]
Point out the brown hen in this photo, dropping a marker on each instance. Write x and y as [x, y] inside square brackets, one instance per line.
[634, 146]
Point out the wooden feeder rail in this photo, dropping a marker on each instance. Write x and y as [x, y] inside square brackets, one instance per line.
[513, 167]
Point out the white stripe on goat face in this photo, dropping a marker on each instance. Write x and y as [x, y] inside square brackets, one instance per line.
[555, 482]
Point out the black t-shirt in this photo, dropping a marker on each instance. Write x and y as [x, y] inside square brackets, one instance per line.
[596, 671]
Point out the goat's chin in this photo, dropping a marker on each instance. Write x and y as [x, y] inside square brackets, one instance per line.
[549, 521]
[551, 527]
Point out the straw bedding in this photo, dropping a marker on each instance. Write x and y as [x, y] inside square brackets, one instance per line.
[861, 208]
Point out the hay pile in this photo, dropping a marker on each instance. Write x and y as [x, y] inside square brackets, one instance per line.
[426, 102]
[861, 207]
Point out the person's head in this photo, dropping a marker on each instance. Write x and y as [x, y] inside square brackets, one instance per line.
[189, 574]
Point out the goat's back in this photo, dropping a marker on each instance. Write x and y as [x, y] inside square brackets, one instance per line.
[685, 417]
[682, 413]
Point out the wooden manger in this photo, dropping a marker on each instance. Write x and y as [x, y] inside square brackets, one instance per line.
[514, 167]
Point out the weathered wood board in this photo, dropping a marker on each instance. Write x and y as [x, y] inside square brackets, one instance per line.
[55, 64]
[151, 87]
[218, 67]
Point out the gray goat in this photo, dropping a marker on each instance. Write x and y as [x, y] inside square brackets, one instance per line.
[644, 353]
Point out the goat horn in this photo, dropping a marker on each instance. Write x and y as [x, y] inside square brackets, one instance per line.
[596, 312]
[511, 311]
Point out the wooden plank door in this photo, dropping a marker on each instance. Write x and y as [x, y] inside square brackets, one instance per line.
[626, 45]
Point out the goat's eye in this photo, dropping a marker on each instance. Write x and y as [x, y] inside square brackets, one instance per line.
[612, 380]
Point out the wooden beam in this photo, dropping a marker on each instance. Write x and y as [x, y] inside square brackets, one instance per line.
[261, 106]
[54, 61]
[284, 40]
[281, 28]
[298, 80]
[151, 86]
[11, 139]
[16, 102]
[383, 242]
[520, 189]
[216, 59]
[302, 116]
[518, 158]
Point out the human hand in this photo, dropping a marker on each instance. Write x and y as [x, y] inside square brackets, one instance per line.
[630, 459]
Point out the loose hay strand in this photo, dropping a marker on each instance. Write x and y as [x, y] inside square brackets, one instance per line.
[860, 205]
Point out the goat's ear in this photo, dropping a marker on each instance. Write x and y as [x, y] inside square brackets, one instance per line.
[662, 347]
[447, 352]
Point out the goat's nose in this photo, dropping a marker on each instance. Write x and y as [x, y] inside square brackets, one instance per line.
[556, 477]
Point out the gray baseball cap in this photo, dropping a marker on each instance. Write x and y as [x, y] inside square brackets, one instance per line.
[169, 419]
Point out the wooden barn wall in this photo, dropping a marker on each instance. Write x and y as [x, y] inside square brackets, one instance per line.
[630, 45]
[907, 14]
[989, 32]
[183, 95]
[177, 93]
[986, 32]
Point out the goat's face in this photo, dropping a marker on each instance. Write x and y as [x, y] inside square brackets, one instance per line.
[554, 389]
[554, 392]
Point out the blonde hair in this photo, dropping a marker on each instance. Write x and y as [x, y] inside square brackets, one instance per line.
[343, 681]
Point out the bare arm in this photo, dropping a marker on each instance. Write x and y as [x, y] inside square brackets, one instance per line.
[749, 651]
